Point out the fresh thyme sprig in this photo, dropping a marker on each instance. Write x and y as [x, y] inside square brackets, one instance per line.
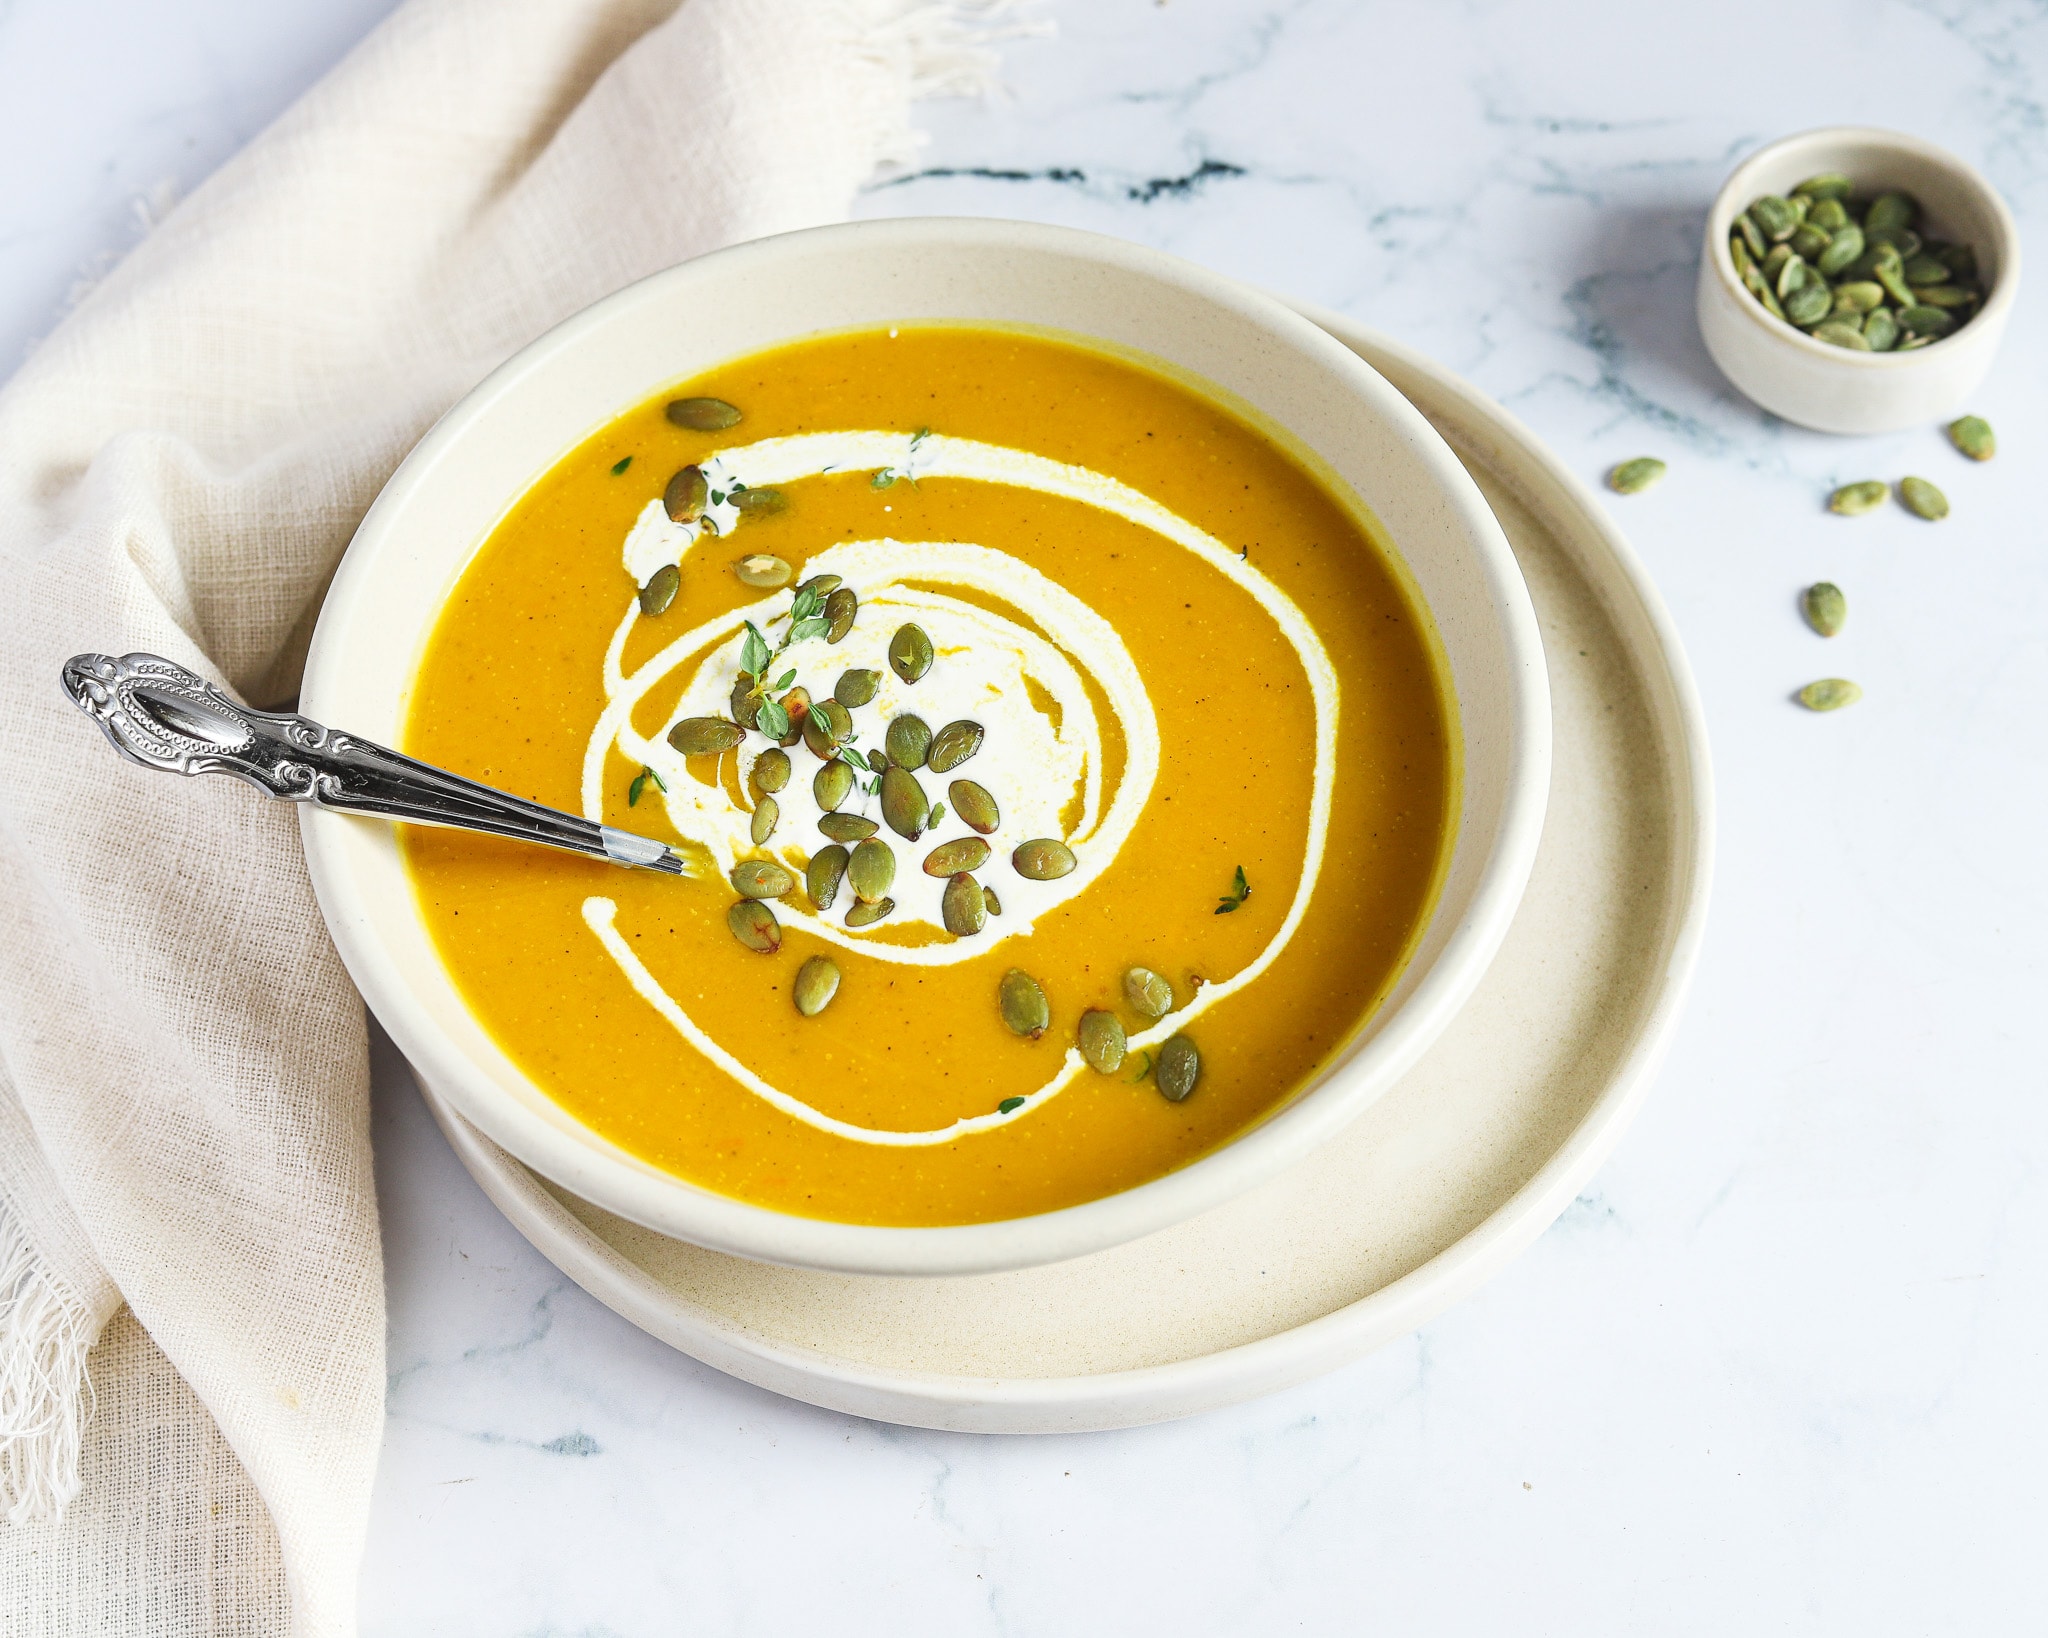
[1240, 890]
[640, 784]
[805, 622]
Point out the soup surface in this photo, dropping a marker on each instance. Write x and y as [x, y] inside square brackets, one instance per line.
[1167, 649]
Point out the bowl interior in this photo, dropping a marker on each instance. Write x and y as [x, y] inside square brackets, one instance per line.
[457, 483]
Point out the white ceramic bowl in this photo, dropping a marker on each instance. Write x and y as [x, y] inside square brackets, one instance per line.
[456, 484]
[1830, 388]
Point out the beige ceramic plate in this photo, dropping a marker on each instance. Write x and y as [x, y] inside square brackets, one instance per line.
[1438, 1185]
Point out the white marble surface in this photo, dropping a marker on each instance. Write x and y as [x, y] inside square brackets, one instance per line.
[1779, 1369]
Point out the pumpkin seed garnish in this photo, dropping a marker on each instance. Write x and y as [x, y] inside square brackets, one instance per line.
[660, 590]
[703, 414]
[762, 571]
[1043, 859]
[961, 906]
[1149, 994]
[988, 897]
[758, 502]
[760, 879]
[910, 654]
[771, 771]
[705, 736]
[953, 745]
[831, 785]
[817, 981]
[840, 608]
[686, 495]
[974, 805]
[1100, 1036]
[755, 926]
[1633, 477]
[1852, 500]
[1023, 1004]
[847, 827]
[904, 809]
[856, 688]
[872, 870]
[1829, 694]
[1922, 499]
[820, 586]
[823, 875]
[1974, 437]
[950, 858]
[767, 814]
[908, 742]
[1240, 890]
[1825, 607]
[1178, 1068]
[639, 784]
[866, 915]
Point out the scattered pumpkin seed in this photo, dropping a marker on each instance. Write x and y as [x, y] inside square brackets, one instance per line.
[1633, 477]
[660, 590]
[705, 736]
[988, 897]
[1825, 607]
[817, 981]
[878, 760]
[760, 879]
[871, 872]
[1829, 694]
[1972, 435]
[686, 496]
[1043, 859]
[755, 926]
[840, 608]
[961, 906]
[1100, 1036]
[703, 414]
[976, 808]
[1178, 1068]
[1922, 499]
[953, 745]
[1852, 500]
[950, 858]
[910, 653]
[908, 742]
[855, 688]
[767, 814]
[831, 785]
[1023, 1004]
[744, 704]
[847, 827]
[1149, 994]
[838, 720]
[866, 915]
[823, 875]
[904, 809]
[771, 771]
[759, 502]
[762, 572]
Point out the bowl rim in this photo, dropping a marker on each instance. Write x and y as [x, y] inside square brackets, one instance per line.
[1721, 217]
[673, 1205]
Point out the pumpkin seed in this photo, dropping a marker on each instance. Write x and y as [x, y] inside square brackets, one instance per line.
[755, 926]
[823, 875]
[1845, 244]
[1750, 234]
[1809, 304]
[760, 879]
[910, 653]
[705, 736]
[660, 590]
[1881, 330]
[1891, 273]
[950, 858]
[1825, 607]
[872, 870]
[1827, 214]
[988, 897]
[1043, 859]
[1972, 435]
[771, 770]
[1828, 185]
[1922, 499]
[745, 707]
[1023, 1004]
[687, 493]
[866, 915]
[1100, 1036]
[1926, 269]
[908, 742]
[856, 687]
[831, 785]
[1852, 500]
[1829, 694]
[1775, 216]
[821, 586]
[817, 981]
[1178, 1068]
[797, 702]
[1837, 334]
[767, 814]
[1949, 296]
[1890, 212]
[759, 502]
[977, 809]
[1633, 477]
[878, 760]
[1809, 241]
[1961, 260]
[703, 414]
[1858, 296]
[1904, 242]
[847, 827]
[962, 908]
[1148, 993]
[840, 608]
[1792, 276]
[904, 809]
[953, 745]
[762, 572]
[838, 720]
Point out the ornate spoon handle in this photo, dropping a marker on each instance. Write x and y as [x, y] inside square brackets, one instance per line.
[161, 715]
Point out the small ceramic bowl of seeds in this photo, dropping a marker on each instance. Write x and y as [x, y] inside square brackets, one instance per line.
[1857, 280]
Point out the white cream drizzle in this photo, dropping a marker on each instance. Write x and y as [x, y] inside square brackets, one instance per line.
[1032, 768]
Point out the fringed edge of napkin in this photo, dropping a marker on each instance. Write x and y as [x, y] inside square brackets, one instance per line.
[928, 48]
[46, 1393]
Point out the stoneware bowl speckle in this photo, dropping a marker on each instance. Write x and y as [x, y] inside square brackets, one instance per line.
[1830, 388]
[454, 487]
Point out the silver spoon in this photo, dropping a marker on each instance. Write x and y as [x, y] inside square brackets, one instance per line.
[159, 714]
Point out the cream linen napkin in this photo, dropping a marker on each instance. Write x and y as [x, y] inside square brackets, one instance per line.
[183, 1122]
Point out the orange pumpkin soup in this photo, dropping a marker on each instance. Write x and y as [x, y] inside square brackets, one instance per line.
[1064, 766]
